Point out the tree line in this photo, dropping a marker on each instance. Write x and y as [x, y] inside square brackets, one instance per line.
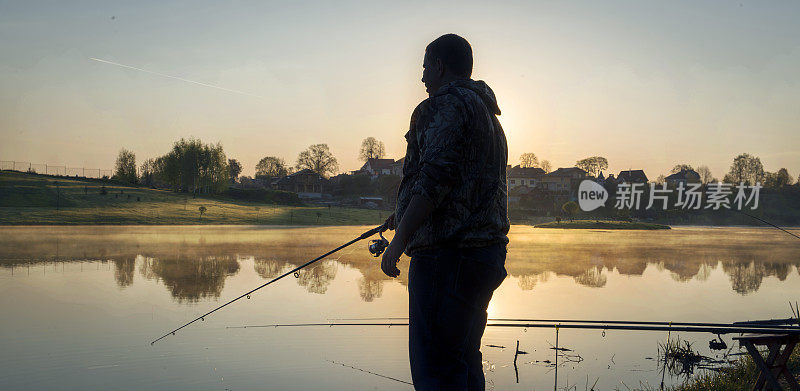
[745, 168]
[196, 167]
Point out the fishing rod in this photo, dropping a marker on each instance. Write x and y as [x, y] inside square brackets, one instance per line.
[771, 323]
[690, 329]
[766, 222]
[376, 247]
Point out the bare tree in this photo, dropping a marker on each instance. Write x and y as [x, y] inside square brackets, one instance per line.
[318, 158]
[546, 166]
[705, 174]
[371, 148]
[593, 165]
[681, 167]
[528, 159]
[271, 167]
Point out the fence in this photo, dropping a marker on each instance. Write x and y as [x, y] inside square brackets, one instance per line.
[53, 169]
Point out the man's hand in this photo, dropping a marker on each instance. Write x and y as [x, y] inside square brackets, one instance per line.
[418, 210]
[390, 222]
[392, 255]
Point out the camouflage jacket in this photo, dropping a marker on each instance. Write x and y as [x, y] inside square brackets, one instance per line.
[456, 158]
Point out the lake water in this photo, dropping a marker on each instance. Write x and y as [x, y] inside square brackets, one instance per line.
[80, 305]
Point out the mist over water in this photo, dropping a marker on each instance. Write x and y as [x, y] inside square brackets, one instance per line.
[81, 304]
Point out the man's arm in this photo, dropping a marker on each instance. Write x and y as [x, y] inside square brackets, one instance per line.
[417, 212]
[439, 171]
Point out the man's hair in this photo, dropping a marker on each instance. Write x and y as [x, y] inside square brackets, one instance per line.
[455, 53]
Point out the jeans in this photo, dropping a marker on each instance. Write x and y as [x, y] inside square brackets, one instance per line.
[449, 291]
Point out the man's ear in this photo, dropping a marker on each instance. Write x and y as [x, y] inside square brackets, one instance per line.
[439, 67]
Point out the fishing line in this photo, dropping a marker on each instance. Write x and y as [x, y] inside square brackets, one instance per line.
[370, 372]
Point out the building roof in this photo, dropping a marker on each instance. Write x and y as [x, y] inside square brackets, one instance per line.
[525, 172]
[632, 176]
[684, 175]
[378, 164]
[294, 175]
[567, 171]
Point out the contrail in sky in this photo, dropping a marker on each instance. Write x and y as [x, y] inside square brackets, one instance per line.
[176, 78]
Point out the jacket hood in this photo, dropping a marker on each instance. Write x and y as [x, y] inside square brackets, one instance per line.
[479, 87]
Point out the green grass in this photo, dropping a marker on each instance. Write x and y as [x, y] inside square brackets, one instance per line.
[600, 224]
[27, 199]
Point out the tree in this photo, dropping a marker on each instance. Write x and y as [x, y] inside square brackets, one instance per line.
[705, 174]
[681, 167]
[546, 166]
[777, 180]
[192, 166]
[570, 208]
[125, 168]
[528, 160]
[318, 158]
[148, 172]
[234, 169]
[271, 167]
[745, 168]
[593, 165]
[371, 148]
[202, 210]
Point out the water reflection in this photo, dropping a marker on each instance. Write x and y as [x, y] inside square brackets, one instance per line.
[193, 262]
[191, 279]
[123, 271]
[317, 277]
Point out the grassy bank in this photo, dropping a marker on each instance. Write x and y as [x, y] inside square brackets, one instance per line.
[739, 376]
[598, 224]
[33, 199]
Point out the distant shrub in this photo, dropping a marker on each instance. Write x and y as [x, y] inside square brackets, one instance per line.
[265, 196]
[103, 190]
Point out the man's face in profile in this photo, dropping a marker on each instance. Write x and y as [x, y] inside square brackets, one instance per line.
[431, 74]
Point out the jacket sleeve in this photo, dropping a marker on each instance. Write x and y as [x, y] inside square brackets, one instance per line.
[441, 149]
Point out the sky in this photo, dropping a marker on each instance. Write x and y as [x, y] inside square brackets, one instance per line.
[647, 85]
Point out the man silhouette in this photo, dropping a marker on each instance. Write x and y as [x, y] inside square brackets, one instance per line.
[451, 219]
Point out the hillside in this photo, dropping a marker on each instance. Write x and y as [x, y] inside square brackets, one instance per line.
[27, 199]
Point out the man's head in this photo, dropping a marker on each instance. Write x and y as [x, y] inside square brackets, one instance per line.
[447, 58]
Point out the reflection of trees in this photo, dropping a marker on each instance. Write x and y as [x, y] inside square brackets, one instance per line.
[316, 278]
[593, 277]
[190, 280]
[780, 270]
[369, 289]
[123, 271]
[745, 278]
[527, 283]
[705, 271]
[268, 268]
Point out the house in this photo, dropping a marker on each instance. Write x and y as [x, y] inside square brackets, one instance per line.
[632, 176]
[524, 176]
[397, 167]
[562, 180]
[377, 167]
[683, 176]
[306, 183]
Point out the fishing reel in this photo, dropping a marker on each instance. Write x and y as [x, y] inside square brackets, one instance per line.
[715, 344]
[378, 246]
